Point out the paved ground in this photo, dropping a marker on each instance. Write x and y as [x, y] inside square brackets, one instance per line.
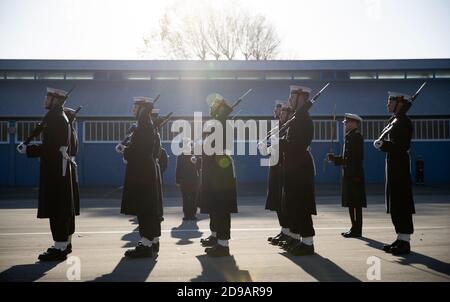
[103, 235]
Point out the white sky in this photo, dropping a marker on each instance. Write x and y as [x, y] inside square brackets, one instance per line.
[310, 29]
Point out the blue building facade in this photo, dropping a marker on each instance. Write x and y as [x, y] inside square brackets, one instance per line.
[105, 90]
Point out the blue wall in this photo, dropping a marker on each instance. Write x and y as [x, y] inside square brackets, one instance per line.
[100, 165]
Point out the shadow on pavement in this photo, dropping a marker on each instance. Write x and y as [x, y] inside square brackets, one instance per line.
[133, 237]
[413, 258]
[321, 269]
[27, 272]
[221, 269]
[186, 231]
[129, 270]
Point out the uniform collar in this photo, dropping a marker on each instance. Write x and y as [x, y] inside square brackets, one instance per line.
[350, 131]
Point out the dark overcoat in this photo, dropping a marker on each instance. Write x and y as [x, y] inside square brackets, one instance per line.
[55, 189]
[298, 167]
[351, 160]
[399, 195]
[140, 192]
[218, 185]
[275, 183]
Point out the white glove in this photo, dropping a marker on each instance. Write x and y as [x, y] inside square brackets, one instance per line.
[120, 148]
[378, 143]
[194, 160]
[125, 161]
[262, 147]
[22, 148]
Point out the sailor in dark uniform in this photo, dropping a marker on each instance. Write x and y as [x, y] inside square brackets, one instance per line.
[298, 172]
[140, 192]
[56, 200]
[420, 166]
[218, 196]
[275, 179]
[353, 184]
[187, 178]
[399, 197]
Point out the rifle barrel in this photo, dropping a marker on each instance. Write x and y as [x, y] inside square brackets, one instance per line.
[240, 99]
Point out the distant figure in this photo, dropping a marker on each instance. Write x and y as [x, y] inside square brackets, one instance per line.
[420, 164]
[275, 177]
[187, 178]
[353, 184]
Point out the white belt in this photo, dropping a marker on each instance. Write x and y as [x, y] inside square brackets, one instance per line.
[312, 157]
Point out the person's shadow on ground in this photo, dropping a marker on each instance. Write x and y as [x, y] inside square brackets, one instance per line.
[186, 231]
[133, 237]
[129, 270]
[320, 268]
[413, 258]
[221, 269]
[28, 272]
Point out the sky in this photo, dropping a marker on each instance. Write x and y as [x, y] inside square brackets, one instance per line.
[309, 29]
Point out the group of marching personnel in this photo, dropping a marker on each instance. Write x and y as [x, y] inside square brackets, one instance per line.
[209, 181]
[291, 179]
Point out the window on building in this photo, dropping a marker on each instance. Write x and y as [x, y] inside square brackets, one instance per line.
[325, 130]
[24, 129]
[363, 75]
[137, 75]
[50, 76]
[431, 129]
[442, 74]
[4, 134]
[221, 75]
[419, 75]
[106, 131]
[371, 129]
[424, 129]
[75, 75]
[193, 75]
[25, 75]
[278, 75]
[165, 76]
[391, 75]
[307, 75]
[249, 75]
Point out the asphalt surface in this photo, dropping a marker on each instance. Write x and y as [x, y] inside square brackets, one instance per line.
[103, 235]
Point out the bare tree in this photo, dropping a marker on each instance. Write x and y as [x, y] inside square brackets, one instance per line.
[226, 33]
[265, 40]
[259, 39]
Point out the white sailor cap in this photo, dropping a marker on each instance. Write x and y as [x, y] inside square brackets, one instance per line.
[142, 98]
[353, 117]
[398, 94]
[301, 88]
[57, 92]
[155, 111]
